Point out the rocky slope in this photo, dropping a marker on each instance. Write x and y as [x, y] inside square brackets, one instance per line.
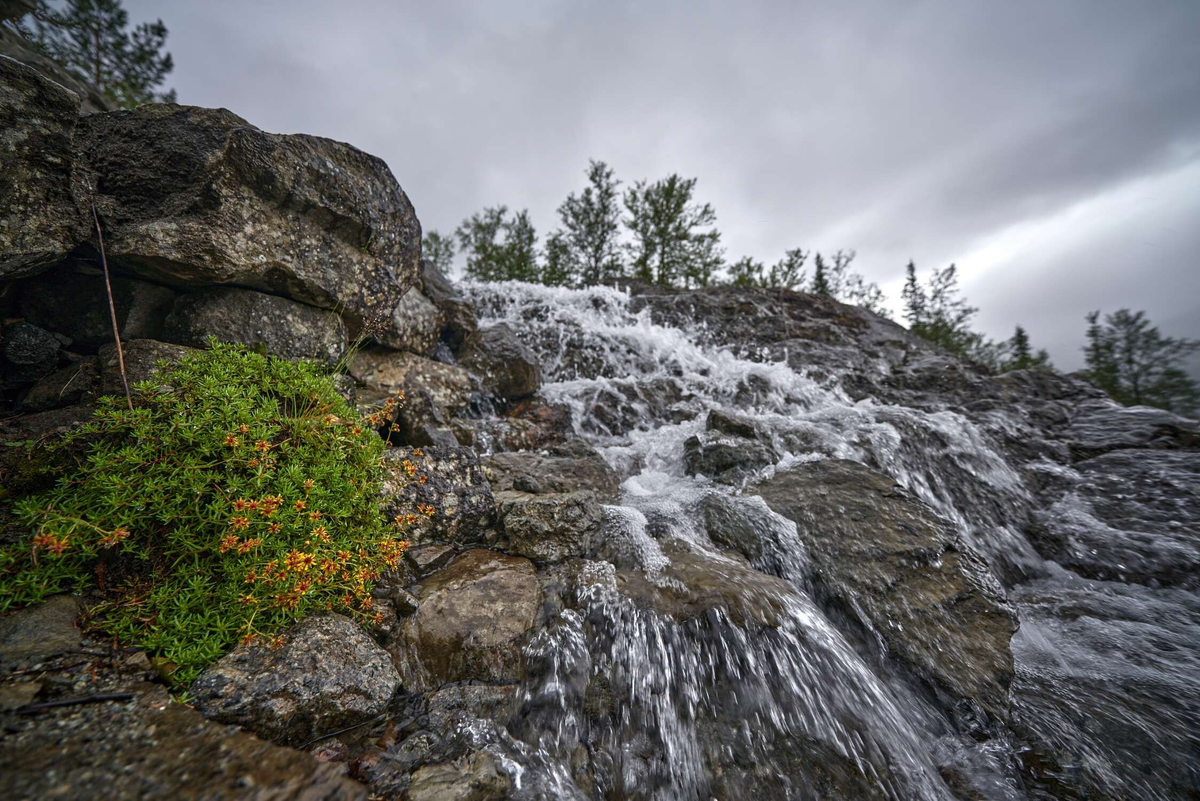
[726, 543]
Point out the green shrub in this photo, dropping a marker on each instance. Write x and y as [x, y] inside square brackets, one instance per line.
[239, 494]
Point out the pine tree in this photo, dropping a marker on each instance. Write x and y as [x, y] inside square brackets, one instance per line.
[820, 283]
[747, 272]
[672, 241]
[591, 221]
[492, 258]
[557, 269]
[915, 302]
[1018, 354]
[91, 37]
[937, 313]
[439, 250]
[1134, 363]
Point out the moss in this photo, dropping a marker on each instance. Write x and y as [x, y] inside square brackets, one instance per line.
[239, 494]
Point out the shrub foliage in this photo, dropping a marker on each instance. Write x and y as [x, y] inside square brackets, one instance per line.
[239, 494]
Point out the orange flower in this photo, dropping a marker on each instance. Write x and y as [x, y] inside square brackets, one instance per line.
[113, 537]
[262, 446]
[418, 452]
[275, 528]
[320, 533]
[231, 441]
[228, 543]
[239, 522]
[251, 577]
[378, 619]
[299, 506]
[308, 484]
[421, 479]
[243, 428]
[276, 643]
[247, 600]
[240, 504]
[249, 639]
[314, 515]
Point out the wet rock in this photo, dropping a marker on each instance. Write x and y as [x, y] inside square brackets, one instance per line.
[892, 563]
[143, 358]
[413, 326]
[82, 313]
[154, 747]
[569, 467]
[477, 777]
[276, 325]
[1128, 515]
[41, 218]
[745, 524]
[425, 559]
[726, 460]
[36, 633]
[200, 196]
[694, 585]
[327, 675]
[1100, 426]
[505, 367]
[388, 371]
[30, 353]
[474, 617]
[550, 527]
[450, 706]
[454, 486]
[16, 46]
[531, 424]
[457, 316]
[75, 383]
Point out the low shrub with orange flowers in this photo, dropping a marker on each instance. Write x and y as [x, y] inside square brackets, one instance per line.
[239, 494]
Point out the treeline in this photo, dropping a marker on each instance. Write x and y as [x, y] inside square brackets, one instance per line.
[655, 231]
[659, 233]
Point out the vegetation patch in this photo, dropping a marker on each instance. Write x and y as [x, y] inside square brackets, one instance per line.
[239, 494]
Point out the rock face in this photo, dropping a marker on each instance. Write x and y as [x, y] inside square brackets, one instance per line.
[30, 352]
[82, 313]
[569, 467]
[730, 450]
[200, 196]
[142, 359]
[454, 486]
[36, 634]
[326, 676]
[388, 371]
[505, 366]
[41, 218]
[550, 527]
[456, 314]
[280, 326]
[887, 559]
[474, 617]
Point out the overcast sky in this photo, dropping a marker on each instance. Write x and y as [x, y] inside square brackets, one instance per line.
[1050, 148]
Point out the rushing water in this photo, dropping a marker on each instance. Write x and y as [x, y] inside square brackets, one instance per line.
[778, 700]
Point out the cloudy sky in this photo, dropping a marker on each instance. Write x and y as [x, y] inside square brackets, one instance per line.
[1050, 149]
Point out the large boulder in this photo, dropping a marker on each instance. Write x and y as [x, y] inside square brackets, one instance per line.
[200, 196]
[473, 619]
[83, 314]
[505, 366]
[389, 371]
[530, 424]
[327, 675]
[888, 560]
[457, 315]
[41, 217]
[16, 46]
[30, 353]
[1100, 426]
[280, 326]
[454, 489]
[75, 383]
[413, 326]
[730, 450]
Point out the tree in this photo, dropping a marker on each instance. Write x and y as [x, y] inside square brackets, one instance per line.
[92, 38]
[820, 283]
[557, 270]
[788, 272]
[747, 272]
[439, 250]
[1133, 362]
[499, 247]
[590, 247]
[1019, 354]
[938, 314]
[673, 243]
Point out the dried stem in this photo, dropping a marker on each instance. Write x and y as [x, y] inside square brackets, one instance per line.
[112, 308]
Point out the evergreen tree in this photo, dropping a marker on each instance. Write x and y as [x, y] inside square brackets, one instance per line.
[439, 250]
[92, 38]
[820, 283]
[591, 222]
[938, 314]
[499, 247]
[1134, 363]
[673, 242]
[1019, 354]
